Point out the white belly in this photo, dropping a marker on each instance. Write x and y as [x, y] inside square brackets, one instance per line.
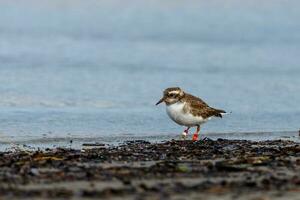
[176, 113]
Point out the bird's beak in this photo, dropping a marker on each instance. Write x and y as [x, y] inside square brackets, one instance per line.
[160, 101]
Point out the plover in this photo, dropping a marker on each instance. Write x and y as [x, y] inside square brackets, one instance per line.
[188, 110]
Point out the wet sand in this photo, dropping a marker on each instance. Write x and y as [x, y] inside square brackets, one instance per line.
[207, 169]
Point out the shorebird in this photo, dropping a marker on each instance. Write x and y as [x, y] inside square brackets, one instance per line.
[188, 110]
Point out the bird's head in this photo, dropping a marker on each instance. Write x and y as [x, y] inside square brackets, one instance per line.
[171, 95]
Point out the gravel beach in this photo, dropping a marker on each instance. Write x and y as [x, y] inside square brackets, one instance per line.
[206, 169]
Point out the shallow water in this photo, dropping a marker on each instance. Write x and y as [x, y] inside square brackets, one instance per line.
[77, 69]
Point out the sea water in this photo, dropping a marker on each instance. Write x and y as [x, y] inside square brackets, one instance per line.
[93, 70]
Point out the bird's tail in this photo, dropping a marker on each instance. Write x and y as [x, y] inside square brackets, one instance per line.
[219, 112]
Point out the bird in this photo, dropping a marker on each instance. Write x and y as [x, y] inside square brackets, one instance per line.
[188, 110]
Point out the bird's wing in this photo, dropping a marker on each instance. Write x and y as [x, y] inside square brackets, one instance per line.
[199, 108]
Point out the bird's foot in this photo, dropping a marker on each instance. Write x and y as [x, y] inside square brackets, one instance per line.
[184, 135]
[195, 137]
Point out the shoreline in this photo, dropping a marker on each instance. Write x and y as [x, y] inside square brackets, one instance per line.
[76, 142]
[210, 169]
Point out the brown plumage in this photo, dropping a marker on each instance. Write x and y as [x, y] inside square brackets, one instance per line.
[193, 104]
[198, 107]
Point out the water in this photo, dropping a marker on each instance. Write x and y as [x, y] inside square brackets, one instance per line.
[94, 70]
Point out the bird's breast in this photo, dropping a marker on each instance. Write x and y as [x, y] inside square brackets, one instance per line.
[177, 114]
[175, 110]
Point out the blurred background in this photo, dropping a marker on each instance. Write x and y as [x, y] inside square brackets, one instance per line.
[95, 69]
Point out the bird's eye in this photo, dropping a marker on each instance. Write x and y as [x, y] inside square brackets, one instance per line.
[172, 95]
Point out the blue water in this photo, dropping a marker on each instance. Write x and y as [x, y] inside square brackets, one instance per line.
[92, 69]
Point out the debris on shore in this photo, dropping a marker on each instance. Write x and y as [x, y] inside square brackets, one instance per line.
[207, 169]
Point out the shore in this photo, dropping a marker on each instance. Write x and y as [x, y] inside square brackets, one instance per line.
[206, 169]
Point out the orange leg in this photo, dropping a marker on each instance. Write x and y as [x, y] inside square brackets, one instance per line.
[195, 136]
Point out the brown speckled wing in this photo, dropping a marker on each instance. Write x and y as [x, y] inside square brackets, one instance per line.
[198, 107]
